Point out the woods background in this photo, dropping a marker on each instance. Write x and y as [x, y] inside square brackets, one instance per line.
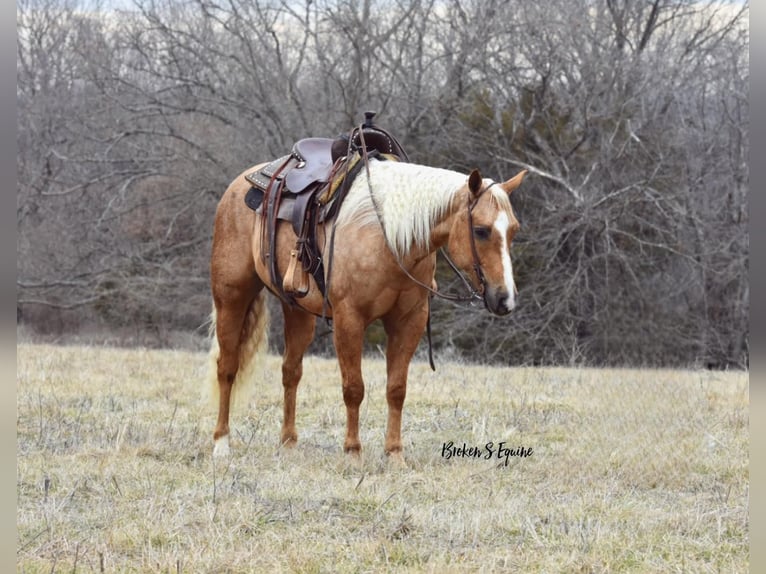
[632, 117]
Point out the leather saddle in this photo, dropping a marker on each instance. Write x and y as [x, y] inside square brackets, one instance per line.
[309, 166]
[307, 187]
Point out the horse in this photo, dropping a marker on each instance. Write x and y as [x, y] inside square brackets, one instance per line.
[387, 232]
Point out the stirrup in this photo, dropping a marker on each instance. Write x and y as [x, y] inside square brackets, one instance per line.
[296, 281]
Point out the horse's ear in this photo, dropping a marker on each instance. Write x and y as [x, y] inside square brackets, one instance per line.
[475, 182]
[514, 182]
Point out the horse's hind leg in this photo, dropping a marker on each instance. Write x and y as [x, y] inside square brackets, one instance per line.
[239, 299]
[240, 331]
[299, 332]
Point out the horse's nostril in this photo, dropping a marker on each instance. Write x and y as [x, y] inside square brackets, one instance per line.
[501, 302]
[505, 303]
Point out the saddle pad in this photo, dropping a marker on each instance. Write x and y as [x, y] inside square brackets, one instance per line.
[339, 174]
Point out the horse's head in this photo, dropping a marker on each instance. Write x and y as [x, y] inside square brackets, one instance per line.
[480, 239]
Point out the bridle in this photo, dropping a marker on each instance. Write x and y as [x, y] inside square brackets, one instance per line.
[477, 268]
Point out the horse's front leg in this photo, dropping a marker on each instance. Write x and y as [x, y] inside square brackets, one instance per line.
[404, 327]
[299, 332]
[348, 334]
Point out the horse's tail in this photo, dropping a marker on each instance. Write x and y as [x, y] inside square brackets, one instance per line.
[253, 342]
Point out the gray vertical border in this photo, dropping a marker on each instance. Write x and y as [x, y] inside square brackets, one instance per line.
[8, 534]
[757, 208]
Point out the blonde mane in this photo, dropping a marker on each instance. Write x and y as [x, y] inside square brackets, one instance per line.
[411, 198]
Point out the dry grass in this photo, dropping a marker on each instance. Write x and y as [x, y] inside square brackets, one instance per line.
[632, 471]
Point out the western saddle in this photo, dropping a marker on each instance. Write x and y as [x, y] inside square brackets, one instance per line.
[307, 187]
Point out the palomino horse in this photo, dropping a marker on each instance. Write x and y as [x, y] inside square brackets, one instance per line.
[393, 219]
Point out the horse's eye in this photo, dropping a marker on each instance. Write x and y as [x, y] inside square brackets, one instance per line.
[482, 233]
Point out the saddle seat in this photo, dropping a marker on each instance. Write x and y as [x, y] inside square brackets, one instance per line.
[311, 170]
[315, 163]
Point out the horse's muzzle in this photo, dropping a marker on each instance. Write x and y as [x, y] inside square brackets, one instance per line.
[499, 301]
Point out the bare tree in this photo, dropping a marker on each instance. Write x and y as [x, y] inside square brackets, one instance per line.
[631, 116]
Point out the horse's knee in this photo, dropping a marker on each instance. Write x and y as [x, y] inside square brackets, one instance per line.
[353, 393]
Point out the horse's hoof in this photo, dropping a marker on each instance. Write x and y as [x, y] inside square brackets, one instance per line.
[289, 441]
[354, 457]
[396, 460]
[221, 448]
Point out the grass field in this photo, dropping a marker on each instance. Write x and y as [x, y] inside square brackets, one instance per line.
[631, 471]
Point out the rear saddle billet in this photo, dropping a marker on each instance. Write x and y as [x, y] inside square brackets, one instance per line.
[307, 187]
